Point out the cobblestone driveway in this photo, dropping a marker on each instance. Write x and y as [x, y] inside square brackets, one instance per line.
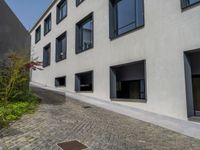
[60, 120]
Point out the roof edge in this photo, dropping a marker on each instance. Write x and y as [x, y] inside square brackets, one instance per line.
[42, 16]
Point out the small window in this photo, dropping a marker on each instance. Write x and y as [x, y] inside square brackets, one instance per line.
[78, 2]
[125, 16]
[61, 10]
[84, 82]
[38, 34]
[60, 81]
[61, 47]
[84, 34]
[188, 3]
[47, 25]
[46, 55]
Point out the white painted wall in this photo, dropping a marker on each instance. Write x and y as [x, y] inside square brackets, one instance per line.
[167, 33]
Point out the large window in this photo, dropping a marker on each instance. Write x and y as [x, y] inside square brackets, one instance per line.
[187, 3]
[125, 15]
[60, 81]
[84, 82]
[127, 82]
[47, 25]
[61, 10]
[46, 55]
[61, 47]
[84, 34]
[38, 34]
[78, 2]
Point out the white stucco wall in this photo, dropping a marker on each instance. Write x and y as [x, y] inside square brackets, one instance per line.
[167, 33]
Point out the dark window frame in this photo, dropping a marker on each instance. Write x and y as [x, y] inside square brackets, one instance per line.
[47, 21]
[145, 82]
[186, 6]
[64, 34]
[81, 73]
[47, 47]
[113, 20]
[36, 32]
[57, 11]
[79, 2]
[57, 78]
[78, 30]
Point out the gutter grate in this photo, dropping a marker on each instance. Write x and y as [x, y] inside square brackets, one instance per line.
[72, 145]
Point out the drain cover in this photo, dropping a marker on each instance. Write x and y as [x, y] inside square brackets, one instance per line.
[72, 145]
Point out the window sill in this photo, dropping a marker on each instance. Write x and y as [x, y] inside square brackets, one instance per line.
[129, 100]
[190, 6]
[59, 21]
[77, 4]
[84, 91]
[47, 33]
[128, 32]
[84, 50]
[57, 61]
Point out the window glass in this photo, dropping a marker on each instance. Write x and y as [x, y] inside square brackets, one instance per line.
[86, 34]
[61, 46]
[61, 10]
[126, 19]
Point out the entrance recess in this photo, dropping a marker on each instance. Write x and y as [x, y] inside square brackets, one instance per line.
[192, 78]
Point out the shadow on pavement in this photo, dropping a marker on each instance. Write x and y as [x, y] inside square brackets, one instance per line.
[49, 97]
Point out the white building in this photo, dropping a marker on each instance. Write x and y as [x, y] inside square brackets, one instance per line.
[143, 54]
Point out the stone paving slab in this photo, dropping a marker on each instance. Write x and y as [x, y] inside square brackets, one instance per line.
[58, 119]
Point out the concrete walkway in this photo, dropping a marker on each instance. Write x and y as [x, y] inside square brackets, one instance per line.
[59, 119]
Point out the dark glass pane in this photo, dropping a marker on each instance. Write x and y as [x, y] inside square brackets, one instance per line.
[61, 48]
[62, 10]
[126, 15]
[86, 35]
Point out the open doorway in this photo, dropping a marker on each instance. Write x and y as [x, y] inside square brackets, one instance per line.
[192, 76]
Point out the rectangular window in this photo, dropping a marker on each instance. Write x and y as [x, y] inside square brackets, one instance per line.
[187, 3]
[84, 82]
[38, 34]
[84, 34]
[61, 47]
[46, 55]
[127, 81]
[47, 25]
[61, 10]
[60, 81]
[125, 16]
[78, 2]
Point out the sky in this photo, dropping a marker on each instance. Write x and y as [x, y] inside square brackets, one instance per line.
[28, 11]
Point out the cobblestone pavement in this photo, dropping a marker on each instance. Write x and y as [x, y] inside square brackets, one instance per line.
[58, 119]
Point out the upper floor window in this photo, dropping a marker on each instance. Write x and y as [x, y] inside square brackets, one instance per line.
[47, 25]
[187, 3]
[46, 55]
[125, 16]
[61, 47]
[61, 10]
[38, 34]
[84, 34]
[78, 2]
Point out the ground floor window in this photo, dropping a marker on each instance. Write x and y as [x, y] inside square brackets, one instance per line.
[60, 81]
[84, 82]
[127, 81]
[192, 78]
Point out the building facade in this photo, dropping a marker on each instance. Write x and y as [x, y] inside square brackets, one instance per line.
[138, 53]
[13, 35]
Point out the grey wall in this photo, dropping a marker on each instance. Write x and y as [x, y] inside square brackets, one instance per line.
[13, 35]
